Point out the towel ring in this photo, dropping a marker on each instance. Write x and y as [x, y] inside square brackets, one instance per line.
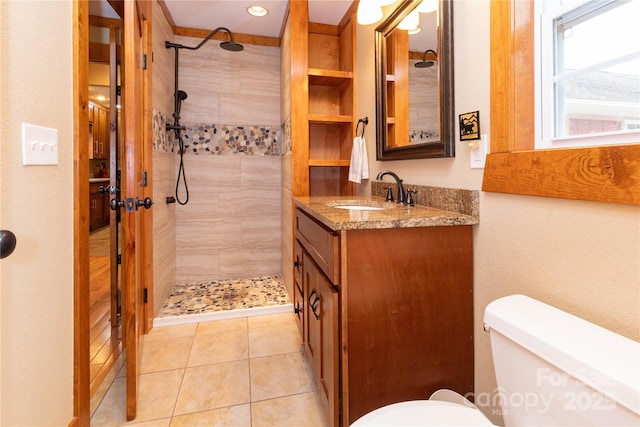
[364, 122]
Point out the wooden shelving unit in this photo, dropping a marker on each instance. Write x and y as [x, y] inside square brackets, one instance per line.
[324, 113]
[397, 88]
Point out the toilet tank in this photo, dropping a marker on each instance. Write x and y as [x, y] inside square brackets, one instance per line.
[555, 369]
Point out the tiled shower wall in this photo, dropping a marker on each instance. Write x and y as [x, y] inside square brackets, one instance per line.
[423, 104]
[230, 227]
[164, 171]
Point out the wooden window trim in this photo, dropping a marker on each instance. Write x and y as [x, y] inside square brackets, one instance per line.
[605, 174]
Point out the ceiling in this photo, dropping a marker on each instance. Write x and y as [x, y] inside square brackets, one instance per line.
[205, 15]
[233, 14]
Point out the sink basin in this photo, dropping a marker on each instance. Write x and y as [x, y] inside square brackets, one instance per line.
[360, 208]
[359, 205]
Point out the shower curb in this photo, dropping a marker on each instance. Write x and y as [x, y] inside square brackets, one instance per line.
[221, 315]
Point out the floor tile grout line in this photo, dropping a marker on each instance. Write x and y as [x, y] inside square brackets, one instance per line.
[184, 372]
[314, 391]
[248, 336]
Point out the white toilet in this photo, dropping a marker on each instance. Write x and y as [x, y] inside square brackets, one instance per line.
[552, 369]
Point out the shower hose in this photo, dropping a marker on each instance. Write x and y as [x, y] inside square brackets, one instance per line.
[181, 173]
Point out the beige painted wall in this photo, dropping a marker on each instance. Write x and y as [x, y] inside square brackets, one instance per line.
[582, 257]
[36, 203]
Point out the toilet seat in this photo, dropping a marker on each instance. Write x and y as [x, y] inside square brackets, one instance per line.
[423, 413]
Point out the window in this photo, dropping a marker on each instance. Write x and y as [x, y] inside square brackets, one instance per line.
[589, 72]
[600, 173]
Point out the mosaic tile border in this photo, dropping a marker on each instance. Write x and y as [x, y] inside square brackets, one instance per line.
[162, 139]
[286, 136]
[218, 139]
[224, 295]
[422, 136]
[223, 139]
[457, 200]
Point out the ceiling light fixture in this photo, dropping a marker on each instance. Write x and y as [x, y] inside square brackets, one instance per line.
[410, 22]
[428, 6]
[257, 10]
[369, 12]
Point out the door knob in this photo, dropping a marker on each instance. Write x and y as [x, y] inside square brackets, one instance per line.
[115, 204]
[146, 202]
[7, 243]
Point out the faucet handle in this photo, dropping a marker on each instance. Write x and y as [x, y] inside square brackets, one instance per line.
[389, 197]
[410, 201]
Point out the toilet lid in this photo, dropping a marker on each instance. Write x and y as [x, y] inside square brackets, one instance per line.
[423, 413]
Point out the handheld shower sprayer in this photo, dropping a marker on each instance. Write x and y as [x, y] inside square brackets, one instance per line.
[180, 95]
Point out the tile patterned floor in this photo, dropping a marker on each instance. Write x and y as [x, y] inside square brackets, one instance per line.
[239, 372]
[220, 295]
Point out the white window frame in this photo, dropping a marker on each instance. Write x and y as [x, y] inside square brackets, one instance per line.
[544, 83]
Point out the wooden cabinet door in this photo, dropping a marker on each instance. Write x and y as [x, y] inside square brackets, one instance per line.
[298, 293]
[96, 211]
[311, 324]
[103, 119]
[321, 315]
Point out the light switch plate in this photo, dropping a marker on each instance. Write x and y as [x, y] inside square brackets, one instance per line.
[479, 155]
[39, 145]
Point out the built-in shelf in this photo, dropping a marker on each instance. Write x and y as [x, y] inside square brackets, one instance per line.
[329, 163]
[321, 77]
[329, 118]
[324, 128]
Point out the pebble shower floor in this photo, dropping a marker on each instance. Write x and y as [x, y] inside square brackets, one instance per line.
[221, 295]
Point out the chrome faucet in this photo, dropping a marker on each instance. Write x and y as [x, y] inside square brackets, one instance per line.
[398, 183]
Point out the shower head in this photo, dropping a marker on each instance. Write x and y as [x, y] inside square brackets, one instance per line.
[226, 45]
[231, 46]
[182, 95]
[425, 63]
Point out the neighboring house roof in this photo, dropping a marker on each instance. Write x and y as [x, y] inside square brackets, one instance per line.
[604, 86]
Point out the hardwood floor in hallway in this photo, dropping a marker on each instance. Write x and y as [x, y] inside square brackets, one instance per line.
[105, 341]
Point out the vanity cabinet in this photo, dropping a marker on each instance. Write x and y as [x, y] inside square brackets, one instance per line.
[98, 206]
[394, 313]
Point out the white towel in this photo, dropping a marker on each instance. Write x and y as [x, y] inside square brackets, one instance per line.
[359, 167]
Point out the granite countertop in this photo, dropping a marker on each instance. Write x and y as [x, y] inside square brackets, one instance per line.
[394, 215]
[91, 180]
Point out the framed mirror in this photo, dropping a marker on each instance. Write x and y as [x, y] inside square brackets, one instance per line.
[414, 84]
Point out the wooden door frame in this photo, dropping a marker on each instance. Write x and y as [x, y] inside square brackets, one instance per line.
[81, 395]
[80, 34]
